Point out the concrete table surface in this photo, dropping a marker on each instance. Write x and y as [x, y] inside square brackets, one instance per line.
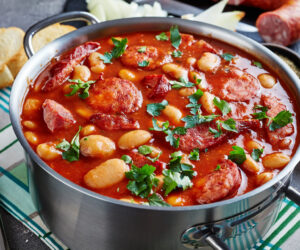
[24, 13]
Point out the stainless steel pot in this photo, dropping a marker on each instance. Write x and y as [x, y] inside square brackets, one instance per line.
[83, 219]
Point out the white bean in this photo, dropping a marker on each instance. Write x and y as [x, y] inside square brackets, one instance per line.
[127, 74]
[106, 174]
[175, 70]
[264, 178]
[134, 139]
[173, 113]
[275, 160]
[187, 91]
[267, 80]
[251, 165]
[208, 61]
[88, 130]
[47, 151]
[97, 65]
[97, 146]
[207, 101]
[31, 137]
[82, 73]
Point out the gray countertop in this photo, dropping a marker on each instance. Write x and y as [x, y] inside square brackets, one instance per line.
[24, 13]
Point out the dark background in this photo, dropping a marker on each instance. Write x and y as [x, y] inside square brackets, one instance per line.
[24, 13]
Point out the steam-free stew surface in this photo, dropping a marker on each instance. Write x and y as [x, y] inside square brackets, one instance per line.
[208, 92]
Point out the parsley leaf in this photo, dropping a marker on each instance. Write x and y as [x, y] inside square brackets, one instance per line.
[228, 57]
[194, 102]
[194, 120]
[156, 200]
[217, 132]
[281, 119]
[262, 108]
[176, 53]
[256, 153]
[143, 63]
[155, 109]
[144, 150]
[106, 58]
[72, 149]
[194, 155]
[85, 86]
[260, 115]
[117, 51]
[142, 180]
[162, 37]
[142, 49]
[175, 36]
[182, 83]
[237, 155]
[229, 125]
[257, 64]
[127, 159]
[222, 105]
[217, 168]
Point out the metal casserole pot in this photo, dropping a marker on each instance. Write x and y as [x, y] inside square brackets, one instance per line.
[83, 219]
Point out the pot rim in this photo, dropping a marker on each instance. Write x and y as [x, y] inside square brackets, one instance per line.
[23, 77]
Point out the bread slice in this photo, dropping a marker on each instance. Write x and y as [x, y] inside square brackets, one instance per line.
[6, 77]
[49, 34]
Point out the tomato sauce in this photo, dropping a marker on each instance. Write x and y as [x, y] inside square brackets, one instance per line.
[209, 159]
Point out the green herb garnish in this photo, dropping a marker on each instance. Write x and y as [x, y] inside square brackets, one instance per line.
[193, 105]
[257, 64]
[155, 109]
[217, 168]
[127, 159]
[237, 155]
[117, 51]
[143, 63]
[162, 37]
[175, 36]
[142, 49]
[156, 200]
[194, 120]
[222, 105]
[256, 153]
[194, 155]
[182, 83]
[228, 57]
[176, 53]
[80, 86]
[145, 150]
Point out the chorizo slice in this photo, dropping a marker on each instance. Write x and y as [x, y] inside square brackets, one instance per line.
[115, 95]
[57, 116]
[274, 107]
[62, 69]
[233, 84]
[135, 56]
[201, 137]
[219, 184]
[159, 85]
[281, 26]
[114, 122]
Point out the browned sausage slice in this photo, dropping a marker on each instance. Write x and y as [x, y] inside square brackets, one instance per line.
[114, 122]
[62, 69]
[219, 184]
[275, 106]
[115, 95]
[152, 55]
[158, 84]
[200, 136]
[57, 116]
[232, 84]
[281, 26]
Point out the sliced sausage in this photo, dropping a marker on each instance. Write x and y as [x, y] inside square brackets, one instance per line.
[114, 122]
[140, 160]
[200, 136]
[62, 69]
[219, 184]
[115, 95]
[275, 106]
[281, 26]
[57, 116]
[152, 55]
[233, 84]
[158, 84]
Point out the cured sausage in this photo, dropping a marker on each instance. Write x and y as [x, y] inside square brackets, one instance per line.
[158, 84]
[275, 106]
[115, 95]
[281, 26]
[145, 57]
[233, 84]
[57, 116]
[219, 184]
[62, 69]
[262, 4]
[114, 122]
[201, 137]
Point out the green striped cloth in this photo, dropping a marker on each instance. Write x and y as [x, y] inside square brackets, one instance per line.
[15, 197]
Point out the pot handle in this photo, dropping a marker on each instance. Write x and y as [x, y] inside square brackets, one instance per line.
[293, 194]
[63, 17]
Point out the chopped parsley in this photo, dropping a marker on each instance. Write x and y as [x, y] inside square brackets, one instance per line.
[175, 36]
[194, 120]
[217, 168]
[156, 200]
[182, 83]
[257, 64]
[237, 155]
[162, 37]
[194, 155]
[229, 125]
[72, 149]
[155, 109]
[117, 51]
[174, 142]
[127, 159]
[227, 57]
[178, 175]
[80, 86]
[256, 153]
[176, 53]
[143, 63]
[142, 180]
[142, 49]
[145, 150]
[193, 105]
[222, 105]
